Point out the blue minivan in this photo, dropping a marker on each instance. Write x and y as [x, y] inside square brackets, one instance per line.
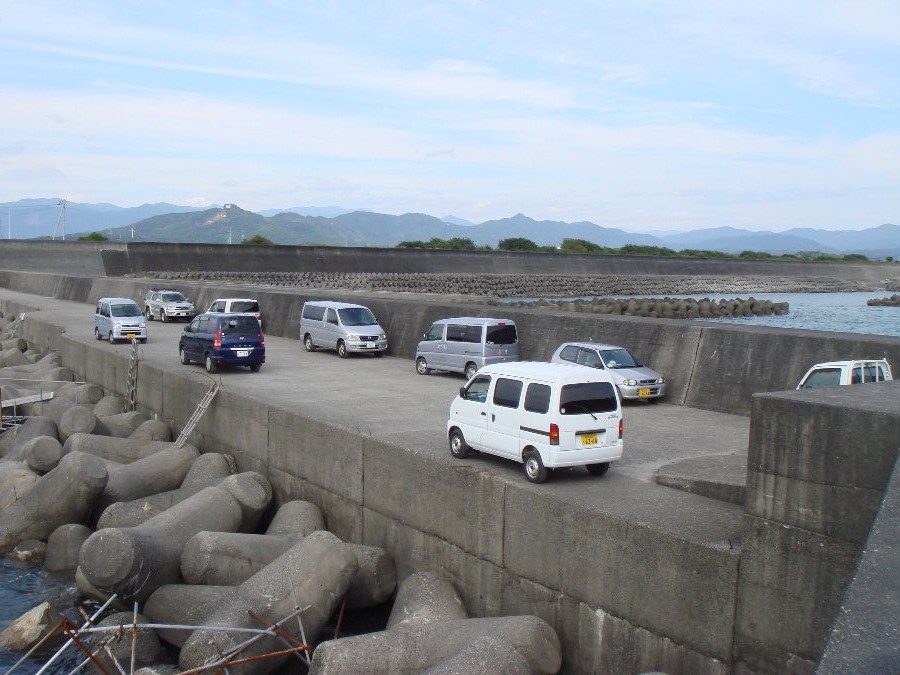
[219, 340]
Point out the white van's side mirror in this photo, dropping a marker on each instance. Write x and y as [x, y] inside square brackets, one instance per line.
[462, 392]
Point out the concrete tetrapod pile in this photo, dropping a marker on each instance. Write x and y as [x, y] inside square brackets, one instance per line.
[141, 523]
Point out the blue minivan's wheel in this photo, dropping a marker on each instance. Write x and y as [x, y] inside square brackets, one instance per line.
[255, 367]
[535, 471]
[210, 364]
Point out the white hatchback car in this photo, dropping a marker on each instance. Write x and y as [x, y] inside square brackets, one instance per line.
[633, 379]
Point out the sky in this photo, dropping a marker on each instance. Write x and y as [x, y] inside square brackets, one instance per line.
[645, 116]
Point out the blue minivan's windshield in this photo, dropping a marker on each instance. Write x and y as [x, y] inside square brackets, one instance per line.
[356, 316]
[587, 397]
[129, 309]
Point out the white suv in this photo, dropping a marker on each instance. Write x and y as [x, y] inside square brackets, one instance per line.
[166, 304]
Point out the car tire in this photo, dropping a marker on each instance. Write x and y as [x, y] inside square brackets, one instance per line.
[183, 355]
[148, 313]
[598, 469]
[378, 354]
[471, 369]
[458, 446]
[422, 366]
[535, 471]
[341, 349]
[143, 341]
[162, 316]
[308, 343]
[97, 334]
[111, 339]
[255, 367]
[210, 363]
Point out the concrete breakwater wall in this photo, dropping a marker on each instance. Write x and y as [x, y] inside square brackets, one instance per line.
[665, 308]
[626, 596]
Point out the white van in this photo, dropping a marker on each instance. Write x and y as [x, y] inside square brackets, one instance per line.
[119, 319]
[544, 415]
[465, 344]
[342, 327]
[838, 373]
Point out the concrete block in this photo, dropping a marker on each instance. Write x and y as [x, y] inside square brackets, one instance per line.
[424, 597]
[63, 546]
[15, 480]
[111, 404]
[41, 454]
[162, 471]
[186, 605]
[138, 645]
[229, 558]
[120, 450]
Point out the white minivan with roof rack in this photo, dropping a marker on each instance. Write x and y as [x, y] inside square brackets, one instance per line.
[341, 326]
[543, 415]
[466, 344]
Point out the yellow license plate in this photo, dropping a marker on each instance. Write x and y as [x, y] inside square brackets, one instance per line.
[643, 392]
[589, 439]
[131, 336]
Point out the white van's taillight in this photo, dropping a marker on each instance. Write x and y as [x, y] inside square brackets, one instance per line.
[554, 434]
[217, 340]
[621, 426]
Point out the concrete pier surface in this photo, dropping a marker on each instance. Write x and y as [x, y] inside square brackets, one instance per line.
[634, 576]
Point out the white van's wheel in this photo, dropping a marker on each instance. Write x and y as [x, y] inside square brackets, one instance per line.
[342, 349]
[148, 313]
[535, 471]
[471, 369]
[97, 334]
[598, 469]
[112, 340]
[458, 446]
[422, 366]
[308, 343]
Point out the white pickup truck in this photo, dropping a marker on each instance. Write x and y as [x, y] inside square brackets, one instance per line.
[836, 373]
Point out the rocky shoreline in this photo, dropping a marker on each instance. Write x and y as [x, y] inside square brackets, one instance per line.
[534, 285]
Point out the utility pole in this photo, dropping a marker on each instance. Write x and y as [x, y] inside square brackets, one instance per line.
[61, 219]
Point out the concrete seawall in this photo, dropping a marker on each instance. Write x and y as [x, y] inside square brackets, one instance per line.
[714, 367]
[630, 594]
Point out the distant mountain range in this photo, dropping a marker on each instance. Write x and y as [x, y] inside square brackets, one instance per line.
[336, 226]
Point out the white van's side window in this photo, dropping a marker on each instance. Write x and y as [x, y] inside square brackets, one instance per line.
[508, 392]
[460, 333]
[537, 398]
[331, 316]
[314, 312]
[478, 389]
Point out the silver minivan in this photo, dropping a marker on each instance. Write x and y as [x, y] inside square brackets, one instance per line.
[466, 344]
[119, 319]
[341, 326]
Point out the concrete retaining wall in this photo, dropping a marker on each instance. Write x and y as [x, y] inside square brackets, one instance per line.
[76, 258]
[819, 463]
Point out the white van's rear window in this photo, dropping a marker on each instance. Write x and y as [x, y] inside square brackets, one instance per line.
[501, 334]
[587, 397]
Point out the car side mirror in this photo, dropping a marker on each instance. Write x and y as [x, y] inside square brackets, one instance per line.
[462, 392]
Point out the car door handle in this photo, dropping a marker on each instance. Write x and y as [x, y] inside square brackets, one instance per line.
[493, 417]
[483, 414]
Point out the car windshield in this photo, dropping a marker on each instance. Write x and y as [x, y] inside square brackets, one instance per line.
[587, 397]
[240, 325]
[619, 358]
[172, 297]
[129, 309]
[356, 316]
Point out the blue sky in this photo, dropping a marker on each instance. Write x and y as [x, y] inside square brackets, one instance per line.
[647, 116]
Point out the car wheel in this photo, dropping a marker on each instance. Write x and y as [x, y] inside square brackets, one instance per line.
[143, 341]
[458, 446]
[535, 471]
[378, 354]
[471, 369]
[210, 364]
[422, 366]
[185, 359]
[255, 367]
[162, 316]
[342, 349]
[148, 313]
[308, 343]
[111, 339]
[97, 334]
[598, 469]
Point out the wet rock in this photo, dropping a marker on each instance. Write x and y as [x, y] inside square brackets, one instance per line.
[30, 551]
[28, 629]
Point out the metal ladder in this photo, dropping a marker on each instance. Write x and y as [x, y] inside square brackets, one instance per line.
[198, 413]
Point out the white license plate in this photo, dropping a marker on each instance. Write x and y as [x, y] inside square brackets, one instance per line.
[242, 352]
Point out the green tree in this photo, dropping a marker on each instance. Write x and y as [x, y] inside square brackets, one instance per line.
[93, 236]
[258, 239]
[517, 244]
